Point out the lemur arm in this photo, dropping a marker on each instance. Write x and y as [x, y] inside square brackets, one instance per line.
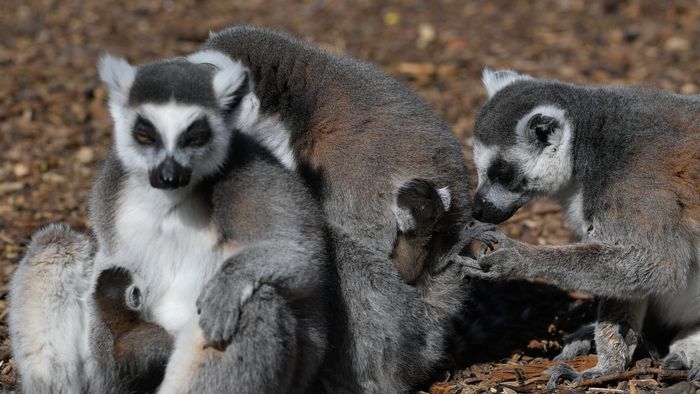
[285, 265]
[618, 271]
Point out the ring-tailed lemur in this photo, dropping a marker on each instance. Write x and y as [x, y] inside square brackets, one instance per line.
[625, 164]
[227, 245]
[358, 137]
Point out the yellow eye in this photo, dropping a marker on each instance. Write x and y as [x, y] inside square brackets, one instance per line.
[144, 139]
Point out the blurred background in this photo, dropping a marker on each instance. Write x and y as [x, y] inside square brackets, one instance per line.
[54, 126]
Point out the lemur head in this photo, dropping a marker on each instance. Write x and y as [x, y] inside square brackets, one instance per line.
[173, 119]
[522, 144]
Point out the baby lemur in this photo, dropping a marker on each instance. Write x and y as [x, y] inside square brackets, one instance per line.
[625, 164]
[141, 349]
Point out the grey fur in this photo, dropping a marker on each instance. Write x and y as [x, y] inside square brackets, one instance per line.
[632, 194]
[49, 285]
[357, 135]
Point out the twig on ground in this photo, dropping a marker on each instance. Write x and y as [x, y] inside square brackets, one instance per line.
[662, 374]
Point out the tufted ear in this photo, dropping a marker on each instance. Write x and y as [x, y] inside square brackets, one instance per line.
[497, 80]
[117, 74]
[231, 79]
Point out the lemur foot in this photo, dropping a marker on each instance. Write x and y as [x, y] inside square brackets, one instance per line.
[567, 372]
[677, 361]
[673, 361]
[577, 344]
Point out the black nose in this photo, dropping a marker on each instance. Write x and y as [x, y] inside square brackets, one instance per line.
[170, 175]
[485, 211]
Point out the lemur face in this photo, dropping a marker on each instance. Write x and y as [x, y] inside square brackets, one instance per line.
[522, 146]
[173, 119]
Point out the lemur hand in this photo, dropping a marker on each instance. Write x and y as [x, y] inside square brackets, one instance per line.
[504, 263]
[220, 305]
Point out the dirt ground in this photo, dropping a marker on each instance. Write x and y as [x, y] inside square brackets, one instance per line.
[54, 127]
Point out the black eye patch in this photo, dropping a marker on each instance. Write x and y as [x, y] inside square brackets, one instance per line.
[144, 132]
[197, 135]
[501, 172]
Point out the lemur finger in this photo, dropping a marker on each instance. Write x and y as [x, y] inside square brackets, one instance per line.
[489, 240]
[472, 272]
[482, 251]
[471, 268]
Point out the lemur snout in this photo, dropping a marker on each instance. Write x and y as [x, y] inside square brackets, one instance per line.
[484, 210]
[170, 175]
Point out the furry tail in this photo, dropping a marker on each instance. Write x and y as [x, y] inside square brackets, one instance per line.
[47, 313]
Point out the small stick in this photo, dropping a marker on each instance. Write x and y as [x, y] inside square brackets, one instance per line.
[662, 374]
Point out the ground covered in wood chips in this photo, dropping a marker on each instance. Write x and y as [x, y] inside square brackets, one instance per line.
[54, 127]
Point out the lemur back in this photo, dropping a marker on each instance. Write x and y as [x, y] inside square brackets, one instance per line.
[357, 137]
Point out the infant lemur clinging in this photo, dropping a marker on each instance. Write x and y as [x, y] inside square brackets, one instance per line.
[625, 164]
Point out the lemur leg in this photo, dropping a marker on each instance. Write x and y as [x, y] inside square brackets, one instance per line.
[616, 336]
[262, 356]
[47, 311]
[578, 343]
[684, 353]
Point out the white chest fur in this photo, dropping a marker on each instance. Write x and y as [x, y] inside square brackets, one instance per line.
[168, 243]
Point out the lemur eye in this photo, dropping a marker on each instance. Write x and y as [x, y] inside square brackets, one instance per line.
[144, 132]
[542, 126]
[197, 135]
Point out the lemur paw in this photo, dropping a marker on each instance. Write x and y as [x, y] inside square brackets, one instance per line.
[219, 306]
[505, 262]
[565, 371]
[674, 361]
[470, 233]
[484, 232]
[560, 371]
[574, 349]
[577, 344]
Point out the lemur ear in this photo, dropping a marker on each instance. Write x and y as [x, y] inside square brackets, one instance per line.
[231, 80]
[497, 80]
[117, 74]
[542, 126]
[230, 86]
